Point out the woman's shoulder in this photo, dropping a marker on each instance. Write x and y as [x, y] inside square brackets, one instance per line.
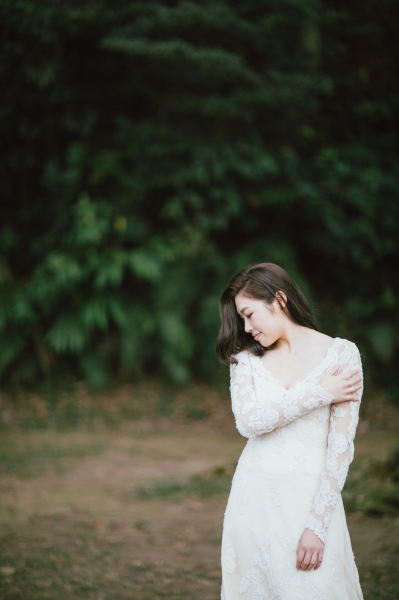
[338, 347]
[322, 338]
[243, 357]
[347, 347]
[318, 342]
[327, 340]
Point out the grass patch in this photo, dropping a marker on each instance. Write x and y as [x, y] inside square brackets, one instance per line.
[197, 412]
[29, 457]
[218, 481]
[380, 578]
[72, 407]
[63, 559]
[98, 548]
[373, 487]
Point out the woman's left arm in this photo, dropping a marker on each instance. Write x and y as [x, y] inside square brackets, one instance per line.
[340, 450]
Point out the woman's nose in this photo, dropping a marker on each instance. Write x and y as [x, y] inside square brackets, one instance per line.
[248, 327]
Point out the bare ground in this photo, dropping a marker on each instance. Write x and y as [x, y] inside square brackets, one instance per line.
[78, 530]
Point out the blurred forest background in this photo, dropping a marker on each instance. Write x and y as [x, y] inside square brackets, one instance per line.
[151, 150]
[154, 148]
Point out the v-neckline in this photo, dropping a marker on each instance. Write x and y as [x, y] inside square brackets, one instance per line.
[307, 376]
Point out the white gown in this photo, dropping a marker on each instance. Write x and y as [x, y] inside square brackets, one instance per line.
[289, 477]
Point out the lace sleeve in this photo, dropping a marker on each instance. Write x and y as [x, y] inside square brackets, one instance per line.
[340, 450]
[255, 415]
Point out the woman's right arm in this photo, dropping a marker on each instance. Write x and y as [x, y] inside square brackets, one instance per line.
[256, 416]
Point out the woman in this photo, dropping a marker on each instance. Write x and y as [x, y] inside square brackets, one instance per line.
[295, 396]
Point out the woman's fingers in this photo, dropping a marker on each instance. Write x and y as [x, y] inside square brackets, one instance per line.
[350, 383]
[346, 398]
[309, 551]
[351, 398]
[300, 554]
[313, 561]
[354, 384]
[351, 391]
[319, 560]
[353, 379]
[353, 388]
[306, 560]
[351, 373]
[335, 370]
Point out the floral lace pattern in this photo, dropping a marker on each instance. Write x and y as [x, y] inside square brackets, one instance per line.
[340, 450]
[274, 490]
[334, 567]
[260, 565]
[288, 478]
[241, 500]
[229, 555]
[256, 416]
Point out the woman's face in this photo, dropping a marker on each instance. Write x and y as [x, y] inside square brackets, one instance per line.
[262, 321]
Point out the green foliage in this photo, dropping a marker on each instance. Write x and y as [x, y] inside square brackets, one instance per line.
[373, 488]
[155, 148]
[205, 485]
[388, 469]
[35, 458]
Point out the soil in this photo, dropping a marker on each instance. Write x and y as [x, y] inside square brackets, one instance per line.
[79, 529]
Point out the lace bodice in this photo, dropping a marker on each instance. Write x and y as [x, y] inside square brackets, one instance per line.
[258, 414]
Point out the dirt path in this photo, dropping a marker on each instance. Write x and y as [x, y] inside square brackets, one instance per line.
[79, 530]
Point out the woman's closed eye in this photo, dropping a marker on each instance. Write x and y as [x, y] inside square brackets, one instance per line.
[243, 317]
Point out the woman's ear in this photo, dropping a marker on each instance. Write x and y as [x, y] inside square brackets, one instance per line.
[281, 299]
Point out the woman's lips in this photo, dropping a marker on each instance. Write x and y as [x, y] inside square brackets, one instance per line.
[256, 336]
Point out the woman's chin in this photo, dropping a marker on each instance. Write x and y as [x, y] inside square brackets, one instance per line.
[268, 344]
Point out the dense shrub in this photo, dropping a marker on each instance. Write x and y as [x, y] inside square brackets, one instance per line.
[154, 148]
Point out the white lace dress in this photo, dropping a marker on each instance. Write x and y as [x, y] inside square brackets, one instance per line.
[289, 477]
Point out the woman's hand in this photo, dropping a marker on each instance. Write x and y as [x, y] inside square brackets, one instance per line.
[343, 386]
[309, 554]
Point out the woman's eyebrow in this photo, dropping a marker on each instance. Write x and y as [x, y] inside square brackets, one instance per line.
[242, 311]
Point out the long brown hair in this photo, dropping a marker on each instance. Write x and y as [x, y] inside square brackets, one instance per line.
[262, 281]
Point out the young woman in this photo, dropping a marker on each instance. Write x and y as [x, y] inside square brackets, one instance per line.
[295, 395]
